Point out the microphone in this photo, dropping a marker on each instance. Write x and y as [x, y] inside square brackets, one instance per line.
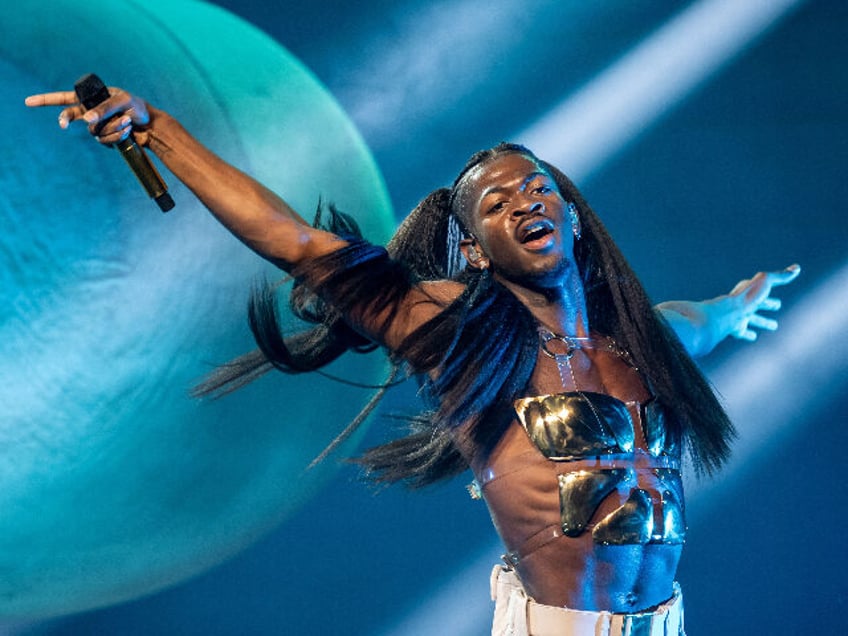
[91, 91]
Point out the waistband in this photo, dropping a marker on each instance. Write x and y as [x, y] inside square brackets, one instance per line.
[518, 615]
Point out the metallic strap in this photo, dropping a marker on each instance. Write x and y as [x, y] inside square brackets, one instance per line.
[530, 458]
[674, 521]
[561, 348]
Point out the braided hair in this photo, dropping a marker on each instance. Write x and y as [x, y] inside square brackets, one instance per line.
[477, 356]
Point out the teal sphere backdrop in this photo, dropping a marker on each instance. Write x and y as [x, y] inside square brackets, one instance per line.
[113, 481]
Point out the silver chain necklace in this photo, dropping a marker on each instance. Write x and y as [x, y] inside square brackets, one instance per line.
[575, 343]
[550, 345]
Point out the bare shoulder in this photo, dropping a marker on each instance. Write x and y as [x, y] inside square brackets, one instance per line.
[440, 292]
[429, 298]
[424, 302]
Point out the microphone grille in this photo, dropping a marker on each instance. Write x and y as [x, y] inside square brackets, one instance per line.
[91, 90]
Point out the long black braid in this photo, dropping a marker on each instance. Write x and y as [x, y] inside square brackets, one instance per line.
[477, 356]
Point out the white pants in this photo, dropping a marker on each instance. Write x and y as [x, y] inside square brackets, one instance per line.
[518, 615]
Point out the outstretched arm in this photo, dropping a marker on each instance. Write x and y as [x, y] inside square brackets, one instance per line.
[702, 325]
[257, 216]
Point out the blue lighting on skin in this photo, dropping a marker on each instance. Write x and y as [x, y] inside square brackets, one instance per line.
[812, 338]
[600, 120]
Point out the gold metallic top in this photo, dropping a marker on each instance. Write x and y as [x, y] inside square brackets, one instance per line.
[576, 425]
[596, 433]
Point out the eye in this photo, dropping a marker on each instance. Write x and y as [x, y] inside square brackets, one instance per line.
[543, 189]
[497, 207]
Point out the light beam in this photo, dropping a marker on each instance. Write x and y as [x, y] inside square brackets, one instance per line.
[581, 135]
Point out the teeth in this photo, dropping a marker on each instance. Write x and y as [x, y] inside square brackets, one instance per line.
[535, 230]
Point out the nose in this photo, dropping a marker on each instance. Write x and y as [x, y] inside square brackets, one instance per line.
[527, 208]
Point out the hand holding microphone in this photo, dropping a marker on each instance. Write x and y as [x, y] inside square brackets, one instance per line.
[111, 127]
[91, 91]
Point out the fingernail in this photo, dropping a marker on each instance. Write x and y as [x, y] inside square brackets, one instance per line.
[90, 116]
[63, 122]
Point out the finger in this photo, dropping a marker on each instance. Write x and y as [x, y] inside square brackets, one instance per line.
[70, 114]
[103, 128]
[119, 103]
[764, 281]
[59, 98]
[748, 334]
[770, 304]
[784, 276]
[739, 287]
[761, 322]
[756, 290]
[115, 131]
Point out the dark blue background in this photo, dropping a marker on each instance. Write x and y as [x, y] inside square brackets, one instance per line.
[747, 173]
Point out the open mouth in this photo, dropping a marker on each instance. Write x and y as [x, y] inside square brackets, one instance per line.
[535, 231]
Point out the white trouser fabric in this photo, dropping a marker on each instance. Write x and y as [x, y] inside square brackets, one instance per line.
[518, 615]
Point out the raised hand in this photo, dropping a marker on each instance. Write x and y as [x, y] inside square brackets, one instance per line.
[751, 296]
[109, 122]
[702, 325]
[253, 213]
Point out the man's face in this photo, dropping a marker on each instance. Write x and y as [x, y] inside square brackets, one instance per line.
[520, 220]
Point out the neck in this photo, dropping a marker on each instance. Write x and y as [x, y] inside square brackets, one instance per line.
[561, 309]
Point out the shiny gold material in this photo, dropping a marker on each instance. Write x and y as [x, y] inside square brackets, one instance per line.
[674, 525]
[579, 425]
[674, 520]
[568, 426]
[654, 425]
[582, 491]
[632, 523]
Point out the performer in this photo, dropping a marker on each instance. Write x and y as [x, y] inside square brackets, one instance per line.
[550, 374]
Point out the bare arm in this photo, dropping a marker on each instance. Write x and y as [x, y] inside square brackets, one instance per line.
[254, 214]
[702, 325]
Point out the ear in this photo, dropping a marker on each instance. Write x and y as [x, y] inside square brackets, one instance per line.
[576, 227]
[473, 253]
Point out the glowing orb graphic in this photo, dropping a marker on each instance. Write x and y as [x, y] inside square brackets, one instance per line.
[113, 482]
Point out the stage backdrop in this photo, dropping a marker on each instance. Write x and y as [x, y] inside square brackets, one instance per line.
[710, 135]
[114, 482]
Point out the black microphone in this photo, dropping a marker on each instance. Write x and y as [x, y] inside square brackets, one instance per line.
[91, 91]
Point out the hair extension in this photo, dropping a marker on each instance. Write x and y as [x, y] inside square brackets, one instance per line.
[313, 348]
[427, 241]
[618, 306]
[476, 356]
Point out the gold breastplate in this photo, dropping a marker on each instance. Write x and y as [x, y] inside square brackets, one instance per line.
[574, 426]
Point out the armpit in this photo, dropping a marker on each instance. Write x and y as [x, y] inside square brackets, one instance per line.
[373, 293]
[424, 302]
